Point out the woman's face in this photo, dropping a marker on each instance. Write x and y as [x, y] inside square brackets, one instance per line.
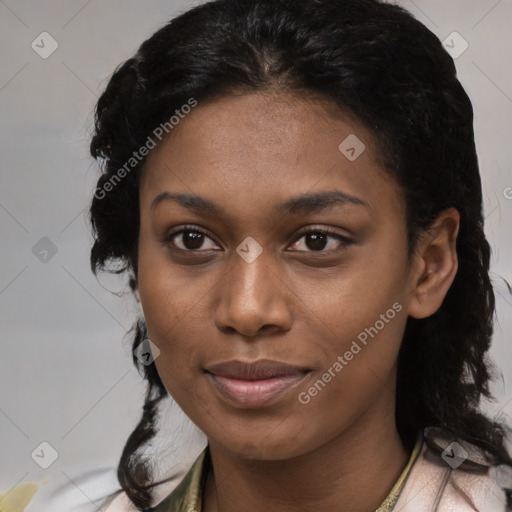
[264, 178]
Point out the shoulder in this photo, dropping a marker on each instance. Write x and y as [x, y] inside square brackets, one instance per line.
[451, 474]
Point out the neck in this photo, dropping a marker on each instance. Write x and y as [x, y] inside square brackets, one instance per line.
[354, 471]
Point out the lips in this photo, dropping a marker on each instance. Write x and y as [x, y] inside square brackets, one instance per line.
[254, 384]
[257, 370]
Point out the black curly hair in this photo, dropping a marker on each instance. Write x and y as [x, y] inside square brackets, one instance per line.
[377, 63]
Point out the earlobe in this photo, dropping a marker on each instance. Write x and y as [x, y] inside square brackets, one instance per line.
[437, 266]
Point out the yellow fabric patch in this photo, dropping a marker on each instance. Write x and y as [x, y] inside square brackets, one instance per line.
[17, 498]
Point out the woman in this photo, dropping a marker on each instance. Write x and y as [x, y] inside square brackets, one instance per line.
[294, 190]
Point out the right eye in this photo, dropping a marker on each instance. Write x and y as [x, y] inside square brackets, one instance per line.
[188, 239]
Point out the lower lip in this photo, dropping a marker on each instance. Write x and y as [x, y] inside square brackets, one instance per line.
[254, 393]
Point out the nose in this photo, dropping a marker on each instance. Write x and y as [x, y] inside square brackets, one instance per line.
[253, 298]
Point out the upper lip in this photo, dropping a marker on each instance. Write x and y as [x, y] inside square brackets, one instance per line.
[261, 369]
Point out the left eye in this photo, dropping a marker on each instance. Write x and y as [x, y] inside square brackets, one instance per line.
[317, 240]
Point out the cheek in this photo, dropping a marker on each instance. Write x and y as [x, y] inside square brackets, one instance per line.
[340, 402]
[358, 347]
[357, 315]
[344, 306]
[171, 319]
[165, 297]
[164, 303]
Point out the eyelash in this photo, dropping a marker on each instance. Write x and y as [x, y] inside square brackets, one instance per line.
[345, 241]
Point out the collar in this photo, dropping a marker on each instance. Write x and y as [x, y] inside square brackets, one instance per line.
[187, 496]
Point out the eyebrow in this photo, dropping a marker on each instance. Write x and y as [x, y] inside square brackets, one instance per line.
[307, 203]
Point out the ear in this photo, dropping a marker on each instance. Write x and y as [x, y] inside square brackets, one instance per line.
[435, 264]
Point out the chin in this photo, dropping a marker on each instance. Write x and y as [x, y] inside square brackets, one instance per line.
[267, 449]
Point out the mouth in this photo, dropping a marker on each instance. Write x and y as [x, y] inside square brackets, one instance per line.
[254, 384]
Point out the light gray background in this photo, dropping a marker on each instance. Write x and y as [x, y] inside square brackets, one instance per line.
[65, 371]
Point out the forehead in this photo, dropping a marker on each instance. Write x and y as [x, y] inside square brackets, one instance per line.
[256, 149]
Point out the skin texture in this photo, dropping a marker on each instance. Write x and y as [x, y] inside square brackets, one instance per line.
[301, 302]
